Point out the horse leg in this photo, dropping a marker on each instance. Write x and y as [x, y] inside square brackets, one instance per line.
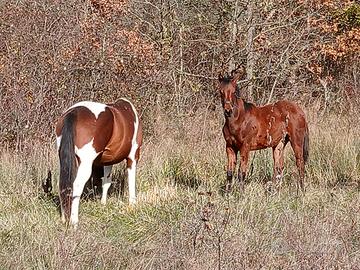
[232, 156]
[83, 175]
[298, 151]
[87, 155]
[278, 156]
[301, 167]
[131, 172]
[244, 158]
[106, 183]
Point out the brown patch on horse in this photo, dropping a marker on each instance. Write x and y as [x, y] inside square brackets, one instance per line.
[103, 130]
[249, 127]
[118, 146]
[85, 126]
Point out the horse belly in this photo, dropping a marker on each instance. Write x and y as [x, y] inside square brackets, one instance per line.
[259, 144]
[118, 147]
[113, 155]
[263, 140]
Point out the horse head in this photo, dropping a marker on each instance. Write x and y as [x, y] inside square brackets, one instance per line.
[228, 89]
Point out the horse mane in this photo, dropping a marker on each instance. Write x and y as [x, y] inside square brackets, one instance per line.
[248, 106]
[226, 79]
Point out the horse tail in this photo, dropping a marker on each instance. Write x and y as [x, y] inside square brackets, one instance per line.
[67, 164]
[306, 145]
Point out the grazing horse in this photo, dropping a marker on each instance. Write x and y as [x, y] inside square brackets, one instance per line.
[248, 127]
[95, 135]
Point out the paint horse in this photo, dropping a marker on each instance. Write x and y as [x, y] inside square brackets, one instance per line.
[95, 136]
[248, 127]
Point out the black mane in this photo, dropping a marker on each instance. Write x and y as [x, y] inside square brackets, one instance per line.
[248, 106]
[227, 79]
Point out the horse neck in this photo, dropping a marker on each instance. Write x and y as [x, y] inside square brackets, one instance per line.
[239, 111]
[239, 108]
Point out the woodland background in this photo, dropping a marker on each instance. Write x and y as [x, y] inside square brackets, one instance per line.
[165, 55]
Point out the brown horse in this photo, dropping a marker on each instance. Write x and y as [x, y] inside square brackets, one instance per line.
[248, 127]
[94, 135]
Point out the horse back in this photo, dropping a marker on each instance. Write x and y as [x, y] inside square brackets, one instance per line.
[292, 112]
[273, 122]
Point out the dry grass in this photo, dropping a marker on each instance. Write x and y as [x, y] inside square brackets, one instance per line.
[181, 220]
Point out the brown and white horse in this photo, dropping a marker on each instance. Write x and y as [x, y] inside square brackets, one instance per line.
[248, 127]
[100, 135]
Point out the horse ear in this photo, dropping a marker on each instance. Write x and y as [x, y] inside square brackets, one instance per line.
[238, 73]
[234, 82]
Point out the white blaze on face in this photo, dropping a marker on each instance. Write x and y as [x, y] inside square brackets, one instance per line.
[95, 107]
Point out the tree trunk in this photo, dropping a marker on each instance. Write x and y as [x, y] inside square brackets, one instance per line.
[234, 31]
[250, 63]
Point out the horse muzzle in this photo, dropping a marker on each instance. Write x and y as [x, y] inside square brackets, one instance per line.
[228, 109]
[227, 112]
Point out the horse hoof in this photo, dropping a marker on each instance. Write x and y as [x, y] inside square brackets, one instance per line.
[132, 201]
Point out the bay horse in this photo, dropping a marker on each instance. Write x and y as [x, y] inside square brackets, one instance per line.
[90, 137]
[249, 127]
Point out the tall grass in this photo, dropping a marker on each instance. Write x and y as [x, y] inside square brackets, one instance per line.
[182, 220]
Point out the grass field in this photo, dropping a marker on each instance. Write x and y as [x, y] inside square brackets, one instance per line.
[181, 220]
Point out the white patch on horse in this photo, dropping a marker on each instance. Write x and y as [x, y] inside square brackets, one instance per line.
[287, 119]
[134, 146]
[132, 185]
[87, 154]
[95, 107]
[106, 183]
[58, 141]
[87, 151]
[268, 136]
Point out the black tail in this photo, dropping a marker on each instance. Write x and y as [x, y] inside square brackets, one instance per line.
[47, 185]
[306, 145]
[67, 163]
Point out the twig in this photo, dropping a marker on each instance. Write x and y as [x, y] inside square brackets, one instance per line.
[196, 75]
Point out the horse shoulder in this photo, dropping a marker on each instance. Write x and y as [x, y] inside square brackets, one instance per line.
[226, 131]
[229, 138]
